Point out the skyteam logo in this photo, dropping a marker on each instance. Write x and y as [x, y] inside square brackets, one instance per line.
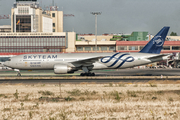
[117, 59]
[158, 41]
[40, 56]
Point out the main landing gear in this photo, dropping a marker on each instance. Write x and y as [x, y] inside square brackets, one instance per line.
[87, 72]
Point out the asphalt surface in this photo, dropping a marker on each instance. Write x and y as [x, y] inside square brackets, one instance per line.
[113, 72]
[68, 81]
[141, 72]
[99, 73]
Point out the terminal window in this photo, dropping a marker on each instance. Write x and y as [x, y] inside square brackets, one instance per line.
[53, 24]
[166, 47]
[141, 47]
[122, 47]
[112, 48]
[21, 44]
[87, 48]
[133, 47]
[53, 14]
[23, 23]
[175, 47]
[94, 48]
[103, 48]
[79, 48]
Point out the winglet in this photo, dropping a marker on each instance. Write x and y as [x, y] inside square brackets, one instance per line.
[155, 45]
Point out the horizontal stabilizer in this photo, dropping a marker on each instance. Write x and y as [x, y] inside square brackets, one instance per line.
[160, 56]
[155, 57]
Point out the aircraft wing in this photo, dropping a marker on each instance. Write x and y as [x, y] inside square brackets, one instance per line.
[86, 62]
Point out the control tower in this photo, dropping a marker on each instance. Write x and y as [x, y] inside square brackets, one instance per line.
[28, 16]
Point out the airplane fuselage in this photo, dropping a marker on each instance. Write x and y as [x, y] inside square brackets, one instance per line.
[106, 60]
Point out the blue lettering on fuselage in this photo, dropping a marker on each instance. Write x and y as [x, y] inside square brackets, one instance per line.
[44, 56]
[25, 57]
[34, 56]
[49, 57]
[39, 56]
[29, 57]
[54, 56]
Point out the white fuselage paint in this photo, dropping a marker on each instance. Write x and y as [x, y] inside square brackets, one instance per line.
[107, 60]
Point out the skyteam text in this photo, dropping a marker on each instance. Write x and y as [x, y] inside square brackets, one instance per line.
[40, 56]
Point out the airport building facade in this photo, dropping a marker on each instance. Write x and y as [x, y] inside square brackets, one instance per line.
[16, 43]
[106, 44]
[32, 42]
[135, 46]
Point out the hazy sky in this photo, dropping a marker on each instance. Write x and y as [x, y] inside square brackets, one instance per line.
[117, 15]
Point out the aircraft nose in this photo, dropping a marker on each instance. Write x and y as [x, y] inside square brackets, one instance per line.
[1, 64]
[6, 63]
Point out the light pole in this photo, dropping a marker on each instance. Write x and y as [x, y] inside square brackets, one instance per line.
[96, 13]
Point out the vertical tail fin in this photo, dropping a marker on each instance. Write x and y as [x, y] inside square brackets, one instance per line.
[156, 43]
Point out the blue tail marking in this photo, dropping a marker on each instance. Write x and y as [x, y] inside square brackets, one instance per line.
[155, 45]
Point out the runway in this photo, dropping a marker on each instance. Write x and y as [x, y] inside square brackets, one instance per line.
[111, 72]
[102, 76]
[141, 72]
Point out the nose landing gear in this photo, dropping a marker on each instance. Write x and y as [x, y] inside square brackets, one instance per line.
[18, 72]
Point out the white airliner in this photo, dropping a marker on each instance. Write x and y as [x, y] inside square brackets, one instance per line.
[70, 62]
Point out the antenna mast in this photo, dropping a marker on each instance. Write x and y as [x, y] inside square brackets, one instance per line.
[52, 2]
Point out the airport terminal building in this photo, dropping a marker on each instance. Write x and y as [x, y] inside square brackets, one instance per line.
[34, 30]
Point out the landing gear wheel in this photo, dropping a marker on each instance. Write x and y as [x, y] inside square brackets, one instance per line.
[87, 74]
[19, 74]
[82, 74]
[92, 74]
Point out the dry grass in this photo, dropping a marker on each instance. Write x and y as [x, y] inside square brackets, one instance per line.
[152, 100]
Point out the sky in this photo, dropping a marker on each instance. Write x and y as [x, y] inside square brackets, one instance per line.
[118, 16]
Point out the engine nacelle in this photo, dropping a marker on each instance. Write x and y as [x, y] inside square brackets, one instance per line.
[62, 69]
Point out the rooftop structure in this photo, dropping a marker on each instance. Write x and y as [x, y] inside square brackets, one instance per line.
[5, 28]
[31, 3]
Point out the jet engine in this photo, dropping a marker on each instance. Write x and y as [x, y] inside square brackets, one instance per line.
[63, 69]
